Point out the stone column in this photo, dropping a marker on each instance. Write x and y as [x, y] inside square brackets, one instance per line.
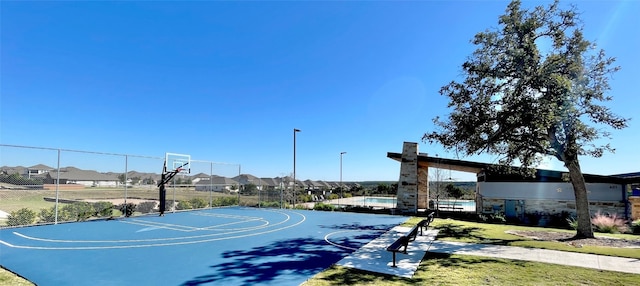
[635, 207]
[407, 201]
[423, 188]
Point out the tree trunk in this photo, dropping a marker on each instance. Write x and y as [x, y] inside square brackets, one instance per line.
[582, 202]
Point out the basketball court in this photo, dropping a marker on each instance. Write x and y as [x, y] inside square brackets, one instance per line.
[232, 245]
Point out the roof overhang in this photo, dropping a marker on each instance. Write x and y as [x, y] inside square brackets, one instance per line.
[425, 161]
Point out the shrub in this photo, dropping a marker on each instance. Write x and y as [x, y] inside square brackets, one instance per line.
[48, 215]
[79, 211]
[324, 207]
[270, 204]
[198, 203]
[127, 209]
[23, 216]
[225, 201]
[492, 218]
[533, 218]
[304, 198]
[498, 218]
[84, 210]
[301, 207]
[559, 219]
[65, 213]
[333, 197]
[635, 226]
[103, 209]
[146, 207]
[573, 223]
[609, 223]
[184, 205]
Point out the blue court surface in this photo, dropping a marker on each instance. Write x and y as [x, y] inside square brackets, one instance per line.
[221, 246]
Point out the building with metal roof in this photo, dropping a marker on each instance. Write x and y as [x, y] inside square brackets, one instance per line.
[546, 192]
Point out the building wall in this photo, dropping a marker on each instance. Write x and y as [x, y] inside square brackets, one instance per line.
[109, 184]
[215, 188]
[547, 198]
[63, 187]
[555, 191]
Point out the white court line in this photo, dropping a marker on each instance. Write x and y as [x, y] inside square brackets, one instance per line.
[326, 238]
[288, 217]
[304, 218]
[168, 226]
[224, 215]
[192, 228]
[217, 227]
[185, 228]
[137, 240]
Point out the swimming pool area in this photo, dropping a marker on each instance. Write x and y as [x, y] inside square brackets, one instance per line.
[457, 203]
[391, 202]
[379, 200]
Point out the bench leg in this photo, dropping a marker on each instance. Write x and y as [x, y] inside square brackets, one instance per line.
[394, 260]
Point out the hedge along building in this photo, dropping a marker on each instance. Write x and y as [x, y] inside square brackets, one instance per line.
[546, 193]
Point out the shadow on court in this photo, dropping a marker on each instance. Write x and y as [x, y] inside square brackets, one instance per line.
[272, 262]
[288, 260]
[358, 226]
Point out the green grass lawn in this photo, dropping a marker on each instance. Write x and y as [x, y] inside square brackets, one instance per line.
[445, 269]
[473, 232]
[8, 278]
[37, 200]
[14, 200]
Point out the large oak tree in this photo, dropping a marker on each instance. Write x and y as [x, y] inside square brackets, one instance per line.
[534, 87]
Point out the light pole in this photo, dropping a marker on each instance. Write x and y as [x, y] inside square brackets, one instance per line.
[282, 193]
[294, 166]
[341, 192]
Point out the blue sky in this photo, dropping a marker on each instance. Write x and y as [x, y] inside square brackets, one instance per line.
[229, 81]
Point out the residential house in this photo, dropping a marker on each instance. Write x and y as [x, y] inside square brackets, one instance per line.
[245, 179]
[269, 184]
[217, 184]
[87, 178]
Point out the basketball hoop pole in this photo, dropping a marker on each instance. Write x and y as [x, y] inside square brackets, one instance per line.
[166, 177]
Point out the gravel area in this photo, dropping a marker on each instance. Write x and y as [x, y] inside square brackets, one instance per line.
[570, 240]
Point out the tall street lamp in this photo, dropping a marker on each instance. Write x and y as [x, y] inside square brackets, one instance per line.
[341, 192]
[294, 166]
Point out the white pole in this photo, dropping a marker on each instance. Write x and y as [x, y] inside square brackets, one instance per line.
[57, 188]
[294, 166]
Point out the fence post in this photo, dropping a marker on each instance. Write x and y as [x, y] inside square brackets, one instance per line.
[211, 185]
[57, 188]
[126, 178]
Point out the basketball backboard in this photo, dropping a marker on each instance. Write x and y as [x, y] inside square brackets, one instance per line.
[175, 161]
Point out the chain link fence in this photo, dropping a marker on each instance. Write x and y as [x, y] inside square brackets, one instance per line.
[41, 185]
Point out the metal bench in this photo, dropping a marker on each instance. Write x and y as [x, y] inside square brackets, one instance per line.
[401, 244]
[424, 224]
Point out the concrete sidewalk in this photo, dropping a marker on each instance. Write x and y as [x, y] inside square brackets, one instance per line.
[374, 257]
[600, 262]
